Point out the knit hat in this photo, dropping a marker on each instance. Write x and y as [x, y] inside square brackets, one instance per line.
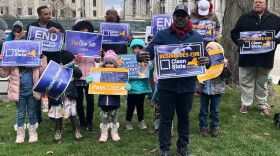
[136, 42]
[66, 57]
[111, 56]
[3, 25]
[18, 23]
[215, 46]
[203, 7]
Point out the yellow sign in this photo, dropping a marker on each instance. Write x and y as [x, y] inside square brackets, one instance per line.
[108, 81]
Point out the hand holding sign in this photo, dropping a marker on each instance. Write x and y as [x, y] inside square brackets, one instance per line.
[53, 30]
[202, 61]
[143, 56]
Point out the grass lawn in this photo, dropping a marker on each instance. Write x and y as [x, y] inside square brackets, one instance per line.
[240, 134]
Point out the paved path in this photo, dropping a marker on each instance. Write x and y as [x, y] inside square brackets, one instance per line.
[275, 73]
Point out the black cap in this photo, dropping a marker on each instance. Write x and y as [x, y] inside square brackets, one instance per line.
[181, 7]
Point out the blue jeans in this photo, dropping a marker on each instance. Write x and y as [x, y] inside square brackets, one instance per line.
[214, 110]
[171, 102]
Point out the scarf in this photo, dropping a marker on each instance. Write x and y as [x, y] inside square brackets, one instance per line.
[182, 33]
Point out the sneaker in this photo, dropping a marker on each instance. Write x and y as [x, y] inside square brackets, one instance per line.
[244, 109]
[89, 127]
[203, 132]
[183, 152]
[142, 124]
[128, 126]
[214, 133]
[164, 153]
[265, 111]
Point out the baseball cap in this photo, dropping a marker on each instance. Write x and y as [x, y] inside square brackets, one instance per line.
[182, 8]
[203, 7]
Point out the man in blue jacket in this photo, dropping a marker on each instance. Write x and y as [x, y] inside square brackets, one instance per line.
[255, 68]
[175, 94]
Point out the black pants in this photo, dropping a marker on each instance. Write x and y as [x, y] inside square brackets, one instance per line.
[132, 101]
[169, 103]
[80, 105]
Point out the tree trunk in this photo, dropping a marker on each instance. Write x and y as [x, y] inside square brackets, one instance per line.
[234, 9]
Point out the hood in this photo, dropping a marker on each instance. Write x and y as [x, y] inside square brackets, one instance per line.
[135, 42]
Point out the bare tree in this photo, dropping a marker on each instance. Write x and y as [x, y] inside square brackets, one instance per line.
[234, 9]
[55, 6]
[17, 8]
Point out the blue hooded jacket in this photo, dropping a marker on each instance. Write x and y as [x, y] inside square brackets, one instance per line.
[140, 86]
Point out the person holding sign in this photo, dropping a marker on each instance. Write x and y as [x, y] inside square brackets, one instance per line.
[203, 12]
[254, 68]
[211, 92]
[175, 94]
[109, 104]
[67, 108]
[84, 65]
[22, 81]
[17, 32]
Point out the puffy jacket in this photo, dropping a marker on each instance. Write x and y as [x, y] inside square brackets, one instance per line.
[168, 36]
[109, 101]
[252, 22]
[13, 72]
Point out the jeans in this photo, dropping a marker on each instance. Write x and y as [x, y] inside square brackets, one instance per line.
[169, 103]
[27, 103]
[214, 110]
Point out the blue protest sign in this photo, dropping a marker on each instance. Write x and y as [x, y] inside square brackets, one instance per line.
[179, 60]
[205, 28]
[115, 33]
[136, 69]
[54, 80]
[257, 42]
[21, 53]
[85, 43]
[51, 41]
[160, 22]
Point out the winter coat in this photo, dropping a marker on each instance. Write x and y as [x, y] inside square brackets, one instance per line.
[14, 84]
[210, 17]
[71, 90]
[252, 22]
[112, 101]
[216, 85]
[168, 36]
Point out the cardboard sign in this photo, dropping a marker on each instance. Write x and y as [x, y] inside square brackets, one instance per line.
[21, 53]
[205, 28]
[160, 22]
[115, 33]
[108, 81]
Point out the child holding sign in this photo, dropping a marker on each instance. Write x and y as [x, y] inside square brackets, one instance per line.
[211, 92]
[109, 103]
[68, 107]
[22, 81]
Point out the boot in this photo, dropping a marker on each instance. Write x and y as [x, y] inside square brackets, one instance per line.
[104, 132]
[76, 128]
[114, 131]
[20, 134]
[33, 136]
[57, 129]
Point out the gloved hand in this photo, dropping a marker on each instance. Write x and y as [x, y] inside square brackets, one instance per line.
[89, 79]
[143, 56]
[240, 42]
[202, 61]
[127, 86]
[70, 65]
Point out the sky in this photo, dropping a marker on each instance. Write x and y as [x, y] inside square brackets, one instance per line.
[117, 4]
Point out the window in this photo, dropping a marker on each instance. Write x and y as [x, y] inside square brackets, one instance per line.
[1, 10]
[185, 2]
[147, 7]
[7, 10]
[61, 13]
[29, 11]
[53, 13]
[94, 13]
[73, 1]
[19, 11]
[162, 6]
[134, 7]
[94, 3]
[73, 13]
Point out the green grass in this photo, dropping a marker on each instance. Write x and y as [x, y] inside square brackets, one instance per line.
[240, 134]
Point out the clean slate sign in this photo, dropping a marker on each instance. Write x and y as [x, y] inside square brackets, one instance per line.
[85, 43]
[54, 80]
[52, 42]
[205, 28]
[21, 53]
[160, 22]
[115, 33]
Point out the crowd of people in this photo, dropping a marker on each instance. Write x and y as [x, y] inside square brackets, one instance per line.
[166, 95]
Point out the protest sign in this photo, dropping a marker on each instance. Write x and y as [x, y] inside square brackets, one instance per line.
[54, 80]
[179, 60]
[115, 33]
[160, 22]
[21, 53]
[136, 69]
[148, 33]
[85, 43]
[205, 28]
[108, 81]
[257, 42]
[51, 41]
